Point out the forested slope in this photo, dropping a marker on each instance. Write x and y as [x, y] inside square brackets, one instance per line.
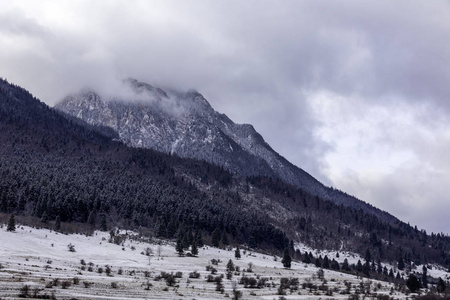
[52, 167]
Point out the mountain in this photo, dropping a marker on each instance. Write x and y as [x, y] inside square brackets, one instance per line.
[184, 123]
[54, 167]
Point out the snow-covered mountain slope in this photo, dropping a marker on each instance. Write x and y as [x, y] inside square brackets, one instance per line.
[40, 259]
[185, 123]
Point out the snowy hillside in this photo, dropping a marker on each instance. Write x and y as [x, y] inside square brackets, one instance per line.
[38, 262]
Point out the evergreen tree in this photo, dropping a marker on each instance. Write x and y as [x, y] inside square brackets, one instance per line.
[413, 283]
[345, 265]
[215, 238]
[91, 218]
[368, 256]
[286, 261]
[103, 226]
[373, 266]
[225, 240]
[307, 259]
[185, 241]
[194, 249]
[326, 263]
[441, 285]
[230, 266]
[58, 223]
[190, 237]
[359, 266]
[179, 246]
[252, 242]
[237, 253]
[401, 264]
[366, 268]
[44, 218]
[199, 239]
[379, 267]
[317, 263]
[335, 265]
[424, 277]
[391, 273]
[11, 223]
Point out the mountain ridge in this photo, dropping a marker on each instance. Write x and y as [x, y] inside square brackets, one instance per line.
[53, 167]
[186, 124]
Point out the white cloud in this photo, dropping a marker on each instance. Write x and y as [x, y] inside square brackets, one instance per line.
[391, 155]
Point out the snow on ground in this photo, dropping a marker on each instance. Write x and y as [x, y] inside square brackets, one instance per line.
[41, 260]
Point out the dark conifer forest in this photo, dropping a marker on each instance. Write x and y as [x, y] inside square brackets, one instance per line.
[54, 167]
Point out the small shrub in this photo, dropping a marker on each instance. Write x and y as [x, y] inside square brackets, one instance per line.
[120, 271]
[55, 282]
[36, 291]
[147, 285]
[237, 294]
[71, 247]
[194, 274]
[65, 284]
[76, 280]
[178, 274]
[170, 280]
[215, 261]
[114, 285]
[148, 251]
[24, 291]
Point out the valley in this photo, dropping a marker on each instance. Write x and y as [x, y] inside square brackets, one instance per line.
[41, 260]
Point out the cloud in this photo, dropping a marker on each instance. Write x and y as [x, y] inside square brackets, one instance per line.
[297, 70]
[392, 156]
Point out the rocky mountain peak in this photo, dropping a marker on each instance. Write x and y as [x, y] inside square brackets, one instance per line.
[184, 123]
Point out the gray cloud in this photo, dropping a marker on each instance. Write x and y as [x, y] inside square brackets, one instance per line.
[264, 63]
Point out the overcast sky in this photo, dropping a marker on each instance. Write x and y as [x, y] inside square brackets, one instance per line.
[357, 93]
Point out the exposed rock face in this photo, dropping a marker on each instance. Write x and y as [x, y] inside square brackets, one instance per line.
[185, 124]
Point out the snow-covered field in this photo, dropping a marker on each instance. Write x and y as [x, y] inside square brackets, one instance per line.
[40, 260]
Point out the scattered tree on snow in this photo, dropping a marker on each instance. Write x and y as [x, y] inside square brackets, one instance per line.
[286, 261]
[237, 253]
[11, 223]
